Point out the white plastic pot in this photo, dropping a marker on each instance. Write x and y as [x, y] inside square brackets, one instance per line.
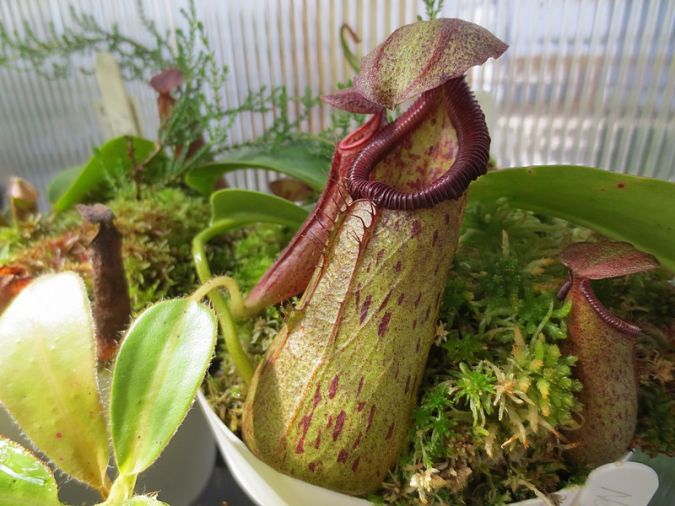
[634, 483]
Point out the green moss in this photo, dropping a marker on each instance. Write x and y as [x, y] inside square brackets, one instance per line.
[255, 251]
[15, 240]
[497, 393]
[656, 432]
[157, 232]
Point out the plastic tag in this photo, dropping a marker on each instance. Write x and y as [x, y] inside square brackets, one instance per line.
[619, 484]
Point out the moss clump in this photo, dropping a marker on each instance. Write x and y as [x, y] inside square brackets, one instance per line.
[656, 430]
[254, 251]
[47, 244]
[157, 233]
[496, 393]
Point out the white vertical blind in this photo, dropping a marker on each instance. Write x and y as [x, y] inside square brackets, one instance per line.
[584, 82]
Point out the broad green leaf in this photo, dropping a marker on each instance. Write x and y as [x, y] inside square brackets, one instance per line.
[48, 375]
[24, 479]
[629, 208]
[109, 158]
[158, 369]
[299, 159]
[61, 182]
[250, 207]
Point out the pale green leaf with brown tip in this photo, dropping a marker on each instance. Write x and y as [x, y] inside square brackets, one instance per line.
[421, 56]
[24, 480]
[158, 369]
[48, 375]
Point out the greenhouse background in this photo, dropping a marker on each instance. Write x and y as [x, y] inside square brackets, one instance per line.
[583, 82]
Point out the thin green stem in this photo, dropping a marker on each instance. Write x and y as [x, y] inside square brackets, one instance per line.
[240, 360]
[224, 311]
[542, 324]
[237, 306]
[563, 310]
[351, 58]
[317, 139]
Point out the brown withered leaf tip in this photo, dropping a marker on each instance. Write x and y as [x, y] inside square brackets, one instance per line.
[98, 214]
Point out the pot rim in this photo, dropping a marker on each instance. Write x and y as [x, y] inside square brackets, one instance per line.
[266, 486]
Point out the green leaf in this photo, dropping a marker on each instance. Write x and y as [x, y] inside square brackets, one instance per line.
[158, 369]
[110, 157]
[250, 207]
[48, 375]
[61, 182]
[298, 159]
[24, 479]
[629, 208]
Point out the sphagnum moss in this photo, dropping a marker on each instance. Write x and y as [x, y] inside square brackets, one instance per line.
[156, 232]
[501, 320]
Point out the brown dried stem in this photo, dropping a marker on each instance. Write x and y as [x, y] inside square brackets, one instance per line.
[112, 306]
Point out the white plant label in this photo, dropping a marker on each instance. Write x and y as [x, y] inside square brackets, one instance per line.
[619, 484]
